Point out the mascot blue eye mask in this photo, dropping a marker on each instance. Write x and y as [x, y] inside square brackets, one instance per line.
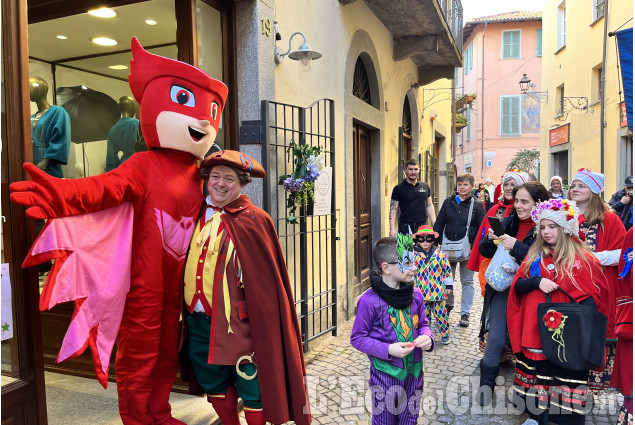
[405, 252]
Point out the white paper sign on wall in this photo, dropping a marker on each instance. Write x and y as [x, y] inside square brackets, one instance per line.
[489, 162]
[323, 190]
[6, 309]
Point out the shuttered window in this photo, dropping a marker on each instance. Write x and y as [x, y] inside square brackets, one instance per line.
[510, 115]
[511, 44]
[539, 42]
[467, 60]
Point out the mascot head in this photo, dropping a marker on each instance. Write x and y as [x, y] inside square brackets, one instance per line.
[180, 105]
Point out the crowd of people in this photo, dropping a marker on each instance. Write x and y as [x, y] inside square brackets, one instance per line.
[532, 248]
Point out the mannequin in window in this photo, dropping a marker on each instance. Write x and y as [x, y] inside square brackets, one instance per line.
[123, 135]
[50, 130]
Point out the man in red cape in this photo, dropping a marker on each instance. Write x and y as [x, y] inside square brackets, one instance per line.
[240, 307]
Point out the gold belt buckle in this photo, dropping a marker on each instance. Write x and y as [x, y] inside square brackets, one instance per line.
[240, 372]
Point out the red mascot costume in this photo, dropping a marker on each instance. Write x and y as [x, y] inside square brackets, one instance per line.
[120, 239]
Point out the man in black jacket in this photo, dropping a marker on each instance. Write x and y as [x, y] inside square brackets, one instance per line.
[452, 221]
[622, 203]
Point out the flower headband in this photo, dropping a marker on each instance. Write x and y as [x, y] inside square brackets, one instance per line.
[563, 212]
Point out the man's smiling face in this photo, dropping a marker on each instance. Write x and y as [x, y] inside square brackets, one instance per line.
[223, 185]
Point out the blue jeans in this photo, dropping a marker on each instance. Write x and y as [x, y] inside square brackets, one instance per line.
[496, 337]
[467, 290]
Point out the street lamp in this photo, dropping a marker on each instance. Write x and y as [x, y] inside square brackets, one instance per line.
[538, 96]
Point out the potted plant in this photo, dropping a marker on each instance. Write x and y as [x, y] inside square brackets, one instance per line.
[464, 100]
[300, 184]
[460, 122]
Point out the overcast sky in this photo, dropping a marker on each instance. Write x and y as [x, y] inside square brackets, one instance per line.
[477, 8]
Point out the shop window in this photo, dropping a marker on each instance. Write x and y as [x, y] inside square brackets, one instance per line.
[510, 115]
[209, 28]
[74, 79]
[510, 44]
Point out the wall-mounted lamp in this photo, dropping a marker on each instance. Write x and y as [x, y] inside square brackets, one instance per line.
[567, 104]
[304, 54]
[538, 96]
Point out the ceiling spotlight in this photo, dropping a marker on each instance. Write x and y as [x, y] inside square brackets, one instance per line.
[61, 37]
[104, 41]
[151, 22]
[103, 12]
[118, 67]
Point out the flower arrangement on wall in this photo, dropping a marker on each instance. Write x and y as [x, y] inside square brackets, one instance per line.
[300, 185]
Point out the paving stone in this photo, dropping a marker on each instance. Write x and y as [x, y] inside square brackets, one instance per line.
[451, 372]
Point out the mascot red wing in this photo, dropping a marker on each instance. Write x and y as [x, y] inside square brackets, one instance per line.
[120, 239]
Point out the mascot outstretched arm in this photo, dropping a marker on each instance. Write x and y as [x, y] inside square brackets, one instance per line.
[120, 239]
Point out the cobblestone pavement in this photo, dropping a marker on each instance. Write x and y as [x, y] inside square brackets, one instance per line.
[338, 381]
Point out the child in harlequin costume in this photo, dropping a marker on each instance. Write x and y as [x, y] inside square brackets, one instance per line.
[242, 335]
[602, 232]
[120, 239]
[392, 329]
[622, 378]
[551, 394]
[433, 276]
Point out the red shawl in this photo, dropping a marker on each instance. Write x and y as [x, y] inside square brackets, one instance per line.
[610, 236]
[522, 319]
[622, 378]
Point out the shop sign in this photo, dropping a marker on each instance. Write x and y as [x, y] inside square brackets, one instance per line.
[323, 191]
[559, 135]
[623, 116]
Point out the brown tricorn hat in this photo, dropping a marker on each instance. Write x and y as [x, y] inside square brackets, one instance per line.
[235, 159]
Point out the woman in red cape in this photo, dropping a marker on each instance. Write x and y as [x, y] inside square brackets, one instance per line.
[622, 378]
[603, 233]
[478, 263]
[548, 392]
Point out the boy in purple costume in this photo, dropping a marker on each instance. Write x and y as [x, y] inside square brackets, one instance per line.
[391, 327]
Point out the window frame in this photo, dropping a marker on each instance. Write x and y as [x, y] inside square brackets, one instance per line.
[561, 25]
[594, 10]
[518, 103]
[468, 118]
[520, 44]
[469, 55]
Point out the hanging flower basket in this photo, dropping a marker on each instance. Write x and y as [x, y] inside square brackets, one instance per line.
[300, 185]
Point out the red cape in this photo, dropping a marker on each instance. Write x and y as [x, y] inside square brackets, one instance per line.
[275, 332]
[622, 378]
[610, 237]
[522, 316]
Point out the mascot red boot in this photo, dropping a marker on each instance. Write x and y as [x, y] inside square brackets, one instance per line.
[120, 239]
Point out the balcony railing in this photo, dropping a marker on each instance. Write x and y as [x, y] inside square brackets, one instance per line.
[453, 11]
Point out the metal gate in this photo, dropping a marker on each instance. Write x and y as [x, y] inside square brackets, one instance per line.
[308, 247]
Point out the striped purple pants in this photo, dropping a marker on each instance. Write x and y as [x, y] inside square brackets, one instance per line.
[395, 402]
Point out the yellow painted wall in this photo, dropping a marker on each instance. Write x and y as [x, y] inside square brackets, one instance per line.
[574, 66]
[335, 30]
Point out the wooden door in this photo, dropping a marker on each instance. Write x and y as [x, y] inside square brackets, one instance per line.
[363, 237]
